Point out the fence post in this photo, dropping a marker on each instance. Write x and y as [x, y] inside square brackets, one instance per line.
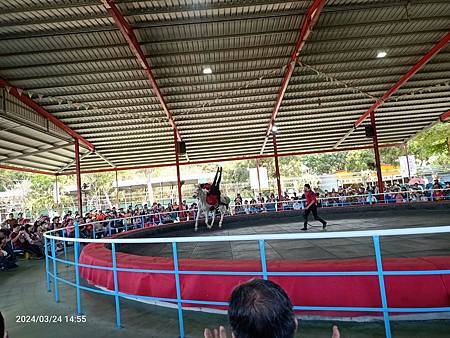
[55, 271]
[47, 272]
[387, 325]
[63, 231]
[262, 252]
[116, 284]
[178, 288]
[76, 249]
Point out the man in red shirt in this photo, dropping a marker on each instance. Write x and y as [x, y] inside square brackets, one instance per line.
[311, 206]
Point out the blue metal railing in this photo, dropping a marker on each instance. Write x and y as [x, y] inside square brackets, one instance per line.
[51, 238]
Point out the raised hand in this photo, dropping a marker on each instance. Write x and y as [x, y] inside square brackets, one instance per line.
[221, 333]
[336, 333]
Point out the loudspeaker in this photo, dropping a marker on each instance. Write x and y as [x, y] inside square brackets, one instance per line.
[369, 131]
[182, 147]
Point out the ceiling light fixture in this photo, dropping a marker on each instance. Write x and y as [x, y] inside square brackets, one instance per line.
[274, 129]
[381, 54]
[207, 70]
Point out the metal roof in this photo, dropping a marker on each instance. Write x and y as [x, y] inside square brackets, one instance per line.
[71, 59]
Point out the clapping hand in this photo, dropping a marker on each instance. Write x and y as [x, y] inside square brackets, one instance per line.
[336, 333]
[221, 333]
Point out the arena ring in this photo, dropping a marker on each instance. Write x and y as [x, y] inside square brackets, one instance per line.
[384, 288]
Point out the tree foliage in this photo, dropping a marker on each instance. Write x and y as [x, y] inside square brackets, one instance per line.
[431, 145]
[325, 163]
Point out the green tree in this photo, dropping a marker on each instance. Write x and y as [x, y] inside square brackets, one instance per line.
[9, 178]
[325, 163]
[390, 155]
[431, 145]
[358, 160]
[40, 199]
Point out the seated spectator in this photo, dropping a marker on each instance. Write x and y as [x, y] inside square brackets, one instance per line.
[7, 257]
[260, 309]
[22, 241]
[398, 198]
[10, 222]
[438, 193]
[447, 191]
[253, 206]
[270, 206]
[246, 207]
[239, 209]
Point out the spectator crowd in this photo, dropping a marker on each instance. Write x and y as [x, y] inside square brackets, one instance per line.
[394, 193]
[18, 235]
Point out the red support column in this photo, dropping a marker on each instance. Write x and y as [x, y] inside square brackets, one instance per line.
[177, 163]
[78, 174]
[376, 151]
[277, 166]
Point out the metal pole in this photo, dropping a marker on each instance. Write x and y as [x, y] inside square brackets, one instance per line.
[407, 159]
[177, 163]
[56, 190]
[178, 289]
[257, 172]
[376, 150]
[277, 166]
[116, 285]
[76, 252]
[78, 174]
[381, 283]
[117, 191]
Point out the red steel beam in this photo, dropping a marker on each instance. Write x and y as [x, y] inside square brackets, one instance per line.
[25, 99]
[177, 165]
[78, 175]
[130, 37]
[308, 22]
[27, 170]
[277, 167]
[237, 158]
[445, 116]
[376, 151]
[413, 70]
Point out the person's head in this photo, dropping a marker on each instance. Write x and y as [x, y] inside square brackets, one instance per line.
[307, 187]
[3, 333]
[16, 227]
[261, 309]
[11, 216]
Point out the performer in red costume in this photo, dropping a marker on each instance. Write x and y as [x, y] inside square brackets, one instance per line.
[311, 206]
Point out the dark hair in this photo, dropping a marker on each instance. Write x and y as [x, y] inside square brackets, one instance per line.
[2, 326]
[307, 186]
[261, 309]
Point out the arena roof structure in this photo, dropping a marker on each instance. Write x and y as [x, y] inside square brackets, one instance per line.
[126, 78]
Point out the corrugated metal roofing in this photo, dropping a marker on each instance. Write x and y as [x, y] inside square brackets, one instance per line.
[72, 59]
